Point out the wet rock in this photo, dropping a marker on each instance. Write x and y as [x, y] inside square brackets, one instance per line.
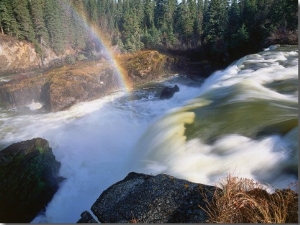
[29, 179]
[141, 198]
[61, 88]
[168, 92]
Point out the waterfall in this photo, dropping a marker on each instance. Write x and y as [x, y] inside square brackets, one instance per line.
[242, 120]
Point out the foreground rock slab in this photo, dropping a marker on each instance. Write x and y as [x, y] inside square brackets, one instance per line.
[141, 198]
[29, 179]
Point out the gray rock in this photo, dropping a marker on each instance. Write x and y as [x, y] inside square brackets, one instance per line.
[153, 199]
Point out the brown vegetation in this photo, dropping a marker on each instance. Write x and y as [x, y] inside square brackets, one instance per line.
[242, 200]
[144, 66]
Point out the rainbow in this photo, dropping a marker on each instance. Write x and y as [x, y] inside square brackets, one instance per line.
[106, 46]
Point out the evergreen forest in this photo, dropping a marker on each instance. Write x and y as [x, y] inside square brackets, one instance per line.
[217, 28]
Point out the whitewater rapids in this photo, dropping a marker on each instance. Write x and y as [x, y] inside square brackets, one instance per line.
[242, 120]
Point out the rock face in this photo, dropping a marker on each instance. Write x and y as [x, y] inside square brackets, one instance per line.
[18, 56]
[152, 199]
[168, 92]
[77, 84]
[60, 88]
[29, 179]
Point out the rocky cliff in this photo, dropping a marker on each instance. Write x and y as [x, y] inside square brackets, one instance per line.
[24, 78]
[29, 179]
[18, 56]
[60, 88]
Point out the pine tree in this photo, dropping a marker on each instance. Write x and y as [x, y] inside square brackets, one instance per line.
[54, 24]
[283, 15]
[168, 31]
[217, 20]
[37, 13]
[148, 14]
[215, 29]
[78, 26]
[198, 23]
[8, 22]
[159, 13]
[132, 32]
[184, 24]
[22, 15]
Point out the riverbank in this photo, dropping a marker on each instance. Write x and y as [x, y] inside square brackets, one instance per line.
[60, 88]
[141, 198]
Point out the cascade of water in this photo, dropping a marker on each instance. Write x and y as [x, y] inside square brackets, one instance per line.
[241, 120]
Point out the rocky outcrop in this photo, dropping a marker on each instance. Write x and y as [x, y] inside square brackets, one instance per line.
[146, 66]
[83, 82]
[29, 178]
[17, 56]
[141, 198]
[60, 88]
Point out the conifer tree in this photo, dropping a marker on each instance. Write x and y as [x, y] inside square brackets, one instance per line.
[8, 22]
[22, 15]
[198, 23]
[148, 14]
[37, 13]
[53, 20]
[78, 27]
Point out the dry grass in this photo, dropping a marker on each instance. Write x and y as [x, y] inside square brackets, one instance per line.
[133, 220]
[243, 200]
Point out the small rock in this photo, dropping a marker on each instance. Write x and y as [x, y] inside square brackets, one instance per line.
[168, 92]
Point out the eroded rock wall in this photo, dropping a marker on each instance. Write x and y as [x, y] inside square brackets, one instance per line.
[17, 56]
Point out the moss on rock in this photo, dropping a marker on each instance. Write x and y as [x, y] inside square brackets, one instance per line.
[29, 179]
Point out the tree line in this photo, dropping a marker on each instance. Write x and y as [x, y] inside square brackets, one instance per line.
[221, 27]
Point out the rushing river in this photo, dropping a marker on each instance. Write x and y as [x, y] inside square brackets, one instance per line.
[242, 121]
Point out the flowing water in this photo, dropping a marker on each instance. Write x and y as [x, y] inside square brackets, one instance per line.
[243, 121]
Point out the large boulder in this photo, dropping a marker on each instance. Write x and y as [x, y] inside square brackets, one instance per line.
[29, 178]
[152, 199]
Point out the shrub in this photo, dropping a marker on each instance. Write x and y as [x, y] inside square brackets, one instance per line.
[81, 57]
[242, 200]
[70, 59]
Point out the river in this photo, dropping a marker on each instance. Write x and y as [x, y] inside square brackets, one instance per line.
[241, 121]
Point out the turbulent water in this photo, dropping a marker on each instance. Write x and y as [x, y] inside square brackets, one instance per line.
[243, 121]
